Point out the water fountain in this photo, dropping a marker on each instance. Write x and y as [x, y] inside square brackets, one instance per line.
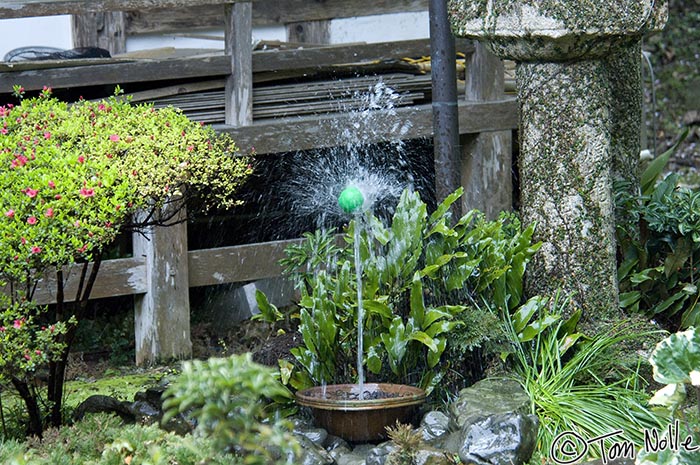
[360, 412]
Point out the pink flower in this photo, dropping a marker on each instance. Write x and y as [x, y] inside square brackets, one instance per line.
[190, 148]
[86, 192]
[49, 212]
[47, 135]
[2, 329]
[57, 196]
[27, 356]
[101, 107]
[81, 159]
[31, 220]
[10, 213]
[52, 184]
[36, 249]
[18, 323]
[19, 161]
[114, 137]
[23, 240]
[31, 193]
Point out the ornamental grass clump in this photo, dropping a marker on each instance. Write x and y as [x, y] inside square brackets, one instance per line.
[72, 177]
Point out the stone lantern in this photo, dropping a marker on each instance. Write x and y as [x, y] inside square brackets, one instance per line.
[578, 77]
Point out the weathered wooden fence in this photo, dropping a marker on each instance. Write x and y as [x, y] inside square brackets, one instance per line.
[162, 269]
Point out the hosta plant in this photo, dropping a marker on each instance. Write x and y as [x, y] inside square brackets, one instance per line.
[676, 363]
[72, 178]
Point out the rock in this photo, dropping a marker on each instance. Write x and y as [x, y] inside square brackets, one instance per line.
[431, 456]
[311, 454]
[434, 425]
[501, 439]
[316, 435]
[487, 397]
[379, 454]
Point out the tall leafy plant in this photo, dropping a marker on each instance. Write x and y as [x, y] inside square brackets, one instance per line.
[71, 179]
[420, 275]
[660, 251]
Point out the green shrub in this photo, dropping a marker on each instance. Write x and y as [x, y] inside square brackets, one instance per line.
[422, 278]
[230, 398]
[660, 249]
[102, 439]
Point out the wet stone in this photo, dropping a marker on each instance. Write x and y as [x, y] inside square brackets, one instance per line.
[488, 397]
[379, 454]
[316, 435]
[503, 439]
[312, 454]
[434, 425]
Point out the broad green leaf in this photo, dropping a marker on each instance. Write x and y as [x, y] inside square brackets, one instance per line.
[656, 167]
[445, 205]
[423, 338]
[536, 327]
[268, 311]
[669, 396]
[525, 312]
[676, 359]
[434, 355]
[628, 299]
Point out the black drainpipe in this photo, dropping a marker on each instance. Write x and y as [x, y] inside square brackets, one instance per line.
[445, 115]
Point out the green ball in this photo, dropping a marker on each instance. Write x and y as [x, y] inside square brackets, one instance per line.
[350, 199]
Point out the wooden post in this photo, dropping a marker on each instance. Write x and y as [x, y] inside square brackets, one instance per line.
[162, 314]
[309, 32]
[106, 30]
[486, 157]
[239, 47]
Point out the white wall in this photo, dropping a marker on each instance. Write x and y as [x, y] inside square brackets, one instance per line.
[55, 31]
[51, 31]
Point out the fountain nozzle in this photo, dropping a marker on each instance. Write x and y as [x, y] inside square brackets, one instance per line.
[350, 199]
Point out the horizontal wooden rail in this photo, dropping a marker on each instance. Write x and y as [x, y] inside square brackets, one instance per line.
[289, 134]
[124, 276]
[77, 73]
[127, 276]
[266, 13]
[29, 8]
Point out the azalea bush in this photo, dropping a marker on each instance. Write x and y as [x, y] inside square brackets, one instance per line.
[72, 178]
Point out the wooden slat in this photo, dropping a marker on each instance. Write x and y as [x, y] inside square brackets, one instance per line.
[239, 48]
[124, 276]
[207, 65]
[236, 264]
[302, 133]
[28, 8]
[267, 12]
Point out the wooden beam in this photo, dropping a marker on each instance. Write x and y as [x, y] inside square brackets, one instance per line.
[124, 276]
[239, 49]
[28, 8]
[162, 313]
[267, 12]
[302, 133]
[486, 158]
[77, 73]
[104, 30]
[239, 263]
